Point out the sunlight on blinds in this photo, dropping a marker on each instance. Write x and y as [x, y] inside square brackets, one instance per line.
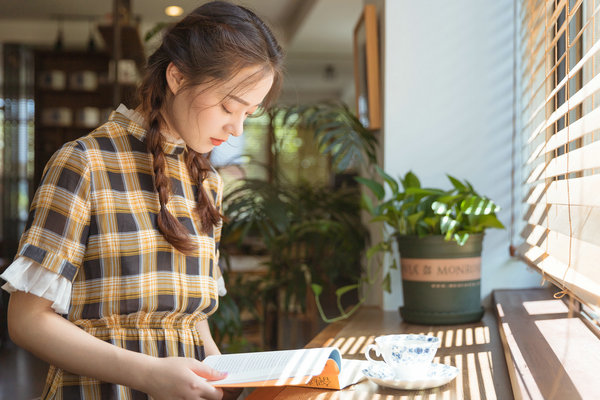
[560, 117]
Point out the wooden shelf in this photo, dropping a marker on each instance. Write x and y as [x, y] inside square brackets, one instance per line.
[50, 137]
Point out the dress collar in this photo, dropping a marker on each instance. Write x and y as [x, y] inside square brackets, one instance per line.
[134, 123]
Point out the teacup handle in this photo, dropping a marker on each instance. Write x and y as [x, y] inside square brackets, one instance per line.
[377, 353]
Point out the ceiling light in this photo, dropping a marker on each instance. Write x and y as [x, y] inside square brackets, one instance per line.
[173, 11]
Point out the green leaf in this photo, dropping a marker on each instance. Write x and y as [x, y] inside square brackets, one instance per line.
[390, 181]
[461, 237]
[457, 184]
[337, 141]
[387, 283]
[414, 218]
[490, 221]
[326, 127]
[439, 208]
[326, 136]
[423, 191]
[450, 199]
[411, 181]
[367, 203]
[375, 187]
[344, 289]
[475, 205]
[317, 289]
[432, 221]
[379, 247]
[447, 224]
[471, 190]
[344, 157]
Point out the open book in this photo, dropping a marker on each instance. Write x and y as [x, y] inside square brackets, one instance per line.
[320, 367]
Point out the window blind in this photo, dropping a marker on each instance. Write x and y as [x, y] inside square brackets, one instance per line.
[559, 50]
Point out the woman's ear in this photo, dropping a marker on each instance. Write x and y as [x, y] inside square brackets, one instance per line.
[174, 78]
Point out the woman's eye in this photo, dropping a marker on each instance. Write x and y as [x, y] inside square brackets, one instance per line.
[225, 109]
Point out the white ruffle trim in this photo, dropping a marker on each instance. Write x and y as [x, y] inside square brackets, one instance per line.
[28, 276]
[221, 286]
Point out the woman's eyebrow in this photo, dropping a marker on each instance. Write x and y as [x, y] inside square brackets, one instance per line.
[239, 100]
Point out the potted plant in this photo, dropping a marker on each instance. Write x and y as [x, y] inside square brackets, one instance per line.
[439, 235]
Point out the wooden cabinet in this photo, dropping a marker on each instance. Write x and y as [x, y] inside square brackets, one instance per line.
[73, 95]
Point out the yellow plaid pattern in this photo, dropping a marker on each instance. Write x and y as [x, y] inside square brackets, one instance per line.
[93, 220]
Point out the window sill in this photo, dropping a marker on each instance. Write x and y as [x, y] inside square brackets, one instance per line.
[550, 353]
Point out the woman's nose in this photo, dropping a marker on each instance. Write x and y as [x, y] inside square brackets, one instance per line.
[238, 127]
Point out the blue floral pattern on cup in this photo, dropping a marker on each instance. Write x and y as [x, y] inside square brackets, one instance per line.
[407, 348]
[414, 348]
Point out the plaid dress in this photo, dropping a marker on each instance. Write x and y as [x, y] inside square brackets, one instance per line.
[93, 220]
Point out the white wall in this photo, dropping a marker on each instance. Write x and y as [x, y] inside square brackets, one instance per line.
[447, 72]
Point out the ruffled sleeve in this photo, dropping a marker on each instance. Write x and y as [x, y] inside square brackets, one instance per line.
[28, 276]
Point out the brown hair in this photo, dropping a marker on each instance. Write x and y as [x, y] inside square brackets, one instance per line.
[209, 45]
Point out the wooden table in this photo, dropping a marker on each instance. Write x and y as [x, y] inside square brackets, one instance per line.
[475, 349]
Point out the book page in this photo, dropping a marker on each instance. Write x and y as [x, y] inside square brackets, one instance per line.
[351, 372]
[280, 365]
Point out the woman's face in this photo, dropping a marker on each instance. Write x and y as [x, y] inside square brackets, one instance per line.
[205, 117]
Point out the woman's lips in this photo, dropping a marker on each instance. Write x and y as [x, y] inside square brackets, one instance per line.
[216, 142]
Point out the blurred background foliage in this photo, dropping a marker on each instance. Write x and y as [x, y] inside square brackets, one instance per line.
[291, 197]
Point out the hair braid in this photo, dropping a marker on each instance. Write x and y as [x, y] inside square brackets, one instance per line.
[173, 230]
[198, 168]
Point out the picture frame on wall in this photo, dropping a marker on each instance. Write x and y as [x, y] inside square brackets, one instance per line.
[366, 68]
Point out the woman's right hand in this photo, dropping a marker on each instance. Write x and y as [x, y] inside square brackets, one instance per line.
[182, 378]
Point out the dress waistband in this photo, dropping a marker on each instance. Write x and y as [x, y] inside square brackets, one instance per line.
[142, 320]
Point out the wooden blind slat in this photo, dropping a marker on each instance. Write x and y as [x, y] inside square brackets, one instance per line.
[576, 220]
[586, 157]
[582, 191]
[583, 126]
[581, 255]
[590, 88]
[584, 288]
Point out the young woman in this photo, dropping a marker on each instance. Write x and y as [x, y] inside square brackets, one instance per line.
[116, 272]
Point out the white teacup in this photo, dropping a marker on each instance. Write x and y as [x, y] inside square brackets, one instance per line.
[408, 355]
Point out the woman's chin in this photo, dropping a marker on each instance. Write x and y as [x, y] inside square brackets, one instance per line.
[201, 148]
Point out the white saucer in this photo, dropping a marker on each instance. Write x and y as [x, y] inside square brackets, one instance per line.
[436, 375]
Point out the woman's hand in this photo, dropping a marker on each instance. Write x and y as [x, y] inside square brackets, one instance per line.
[182, 378]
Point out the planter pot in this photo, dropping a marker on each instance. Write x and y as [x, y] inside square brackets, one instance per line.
[441, 280]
